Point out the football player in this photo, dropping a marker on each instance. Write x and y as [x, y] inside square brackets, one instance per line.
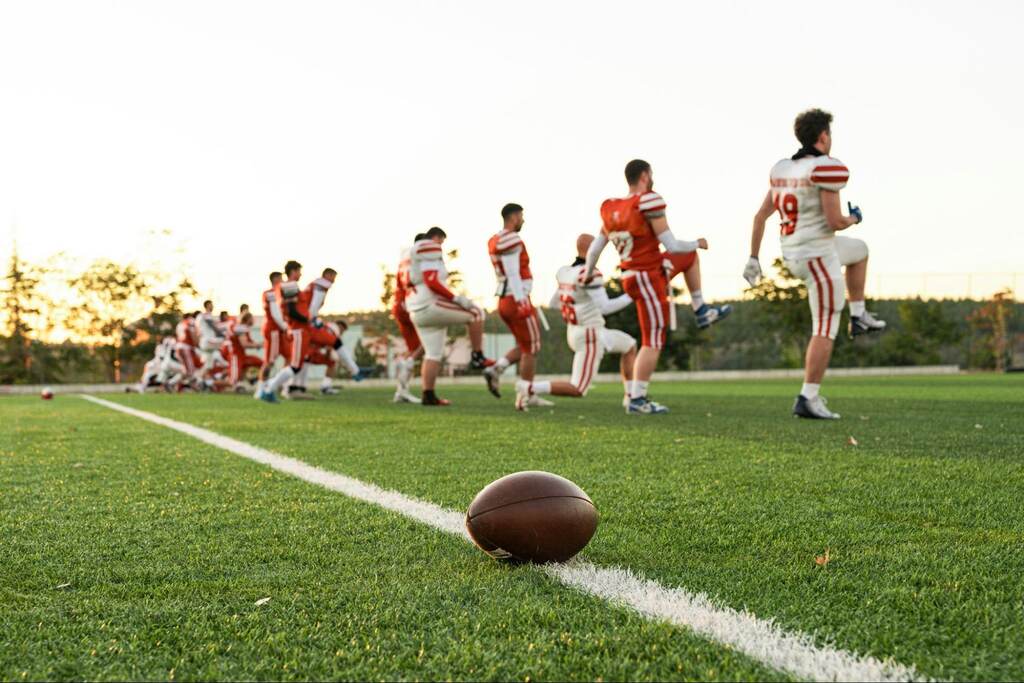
[433, 307]
[413, 348]
[306, 329]
[236, 349]
[805, 193]
[584, 307]
[211, 337]
[511, 264]
[274, 326]
[185, 347]
[637, 226]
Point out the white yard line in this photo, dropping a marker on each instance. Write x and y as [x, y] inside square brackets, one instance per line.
[760, 639]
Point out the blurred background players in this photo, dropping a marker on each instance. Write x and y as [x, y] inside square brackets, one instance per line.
[511, 264]
[433, 307]
[413, 349]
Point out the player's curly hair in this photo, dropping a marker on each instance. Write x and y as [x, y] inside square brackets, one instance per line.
[811, 124]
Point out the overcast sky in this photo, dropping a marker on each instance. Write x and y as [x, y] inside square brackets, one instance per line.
[332, 132]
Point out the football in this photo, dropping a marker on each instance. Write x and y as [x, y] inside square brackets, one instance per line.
[46, 393]
[532, 517]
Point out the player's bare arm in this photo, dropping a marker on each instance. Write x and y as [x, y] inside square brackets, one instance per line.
[752, 271]
[833, 210]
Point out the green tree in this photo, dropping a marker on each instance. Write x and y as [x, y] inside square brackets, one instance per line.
[111, 297]
[23, 302]
[783, 310]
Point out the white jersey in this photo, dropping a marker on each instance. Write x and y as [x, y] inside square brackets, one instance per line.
[426, 255]
[585, 305]
[209, 329]
[796, 186]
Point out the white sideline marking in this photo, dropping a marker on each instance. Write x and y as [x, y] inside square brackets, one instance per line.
[759, 639]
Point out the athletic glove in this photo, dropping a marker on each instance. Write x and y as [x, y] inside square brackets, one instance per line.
[855, 211]
[464, 302]
[752, 272]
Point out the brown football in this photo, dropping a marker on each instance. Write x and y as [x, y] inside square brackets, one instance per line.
[531, 517]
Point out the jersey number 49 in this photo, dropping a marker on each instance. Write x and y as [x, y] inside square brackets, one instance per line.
[786, 205]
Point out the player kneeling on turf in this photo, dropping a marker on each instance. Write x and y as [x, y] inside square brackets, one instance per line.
[584, 306]
[805, 191]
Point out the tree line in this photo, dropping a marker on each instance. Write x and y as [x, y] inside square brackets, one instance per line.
[114, 313]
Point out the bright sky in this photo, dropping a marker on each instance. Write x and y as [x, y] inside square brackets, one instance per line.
[332, 132]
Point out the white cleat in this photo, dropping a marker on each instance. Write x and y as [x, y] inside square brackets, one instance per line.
[813, 408]
[403, 396]
[538, 402]
[523, 395]
[865, 324]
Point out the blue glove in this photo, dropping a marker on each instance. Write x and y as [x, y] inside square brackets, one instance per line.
[318, 323]
[855, 211]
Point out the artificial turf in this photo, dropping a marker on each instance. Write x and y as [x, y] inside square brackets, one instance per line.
[166, 540]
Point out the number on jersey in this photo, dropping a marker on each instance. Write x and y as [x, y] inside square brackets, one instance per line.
[623, 241]
[786, 205]
[568, 309]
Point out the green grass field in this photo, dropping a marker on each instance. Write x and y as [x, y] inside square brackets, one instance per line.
[130, 551]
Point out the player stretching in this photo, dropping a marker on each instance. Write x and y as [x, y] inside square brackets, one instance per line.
[433, 307]
[512, 268]
[413, 348]
[305, 327]
[636, 225]
[185, 347]
[805, 191]
[274, 327]
[584, 307]
[211, 338]
[235, 349]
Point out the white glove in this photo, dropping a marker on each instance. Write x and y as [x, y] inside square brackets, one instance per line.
[752, 273]
[464, 302]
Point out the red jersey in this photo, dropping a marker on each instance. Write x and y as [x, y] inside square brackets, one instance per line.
[307, 301]
[402, 283]
[185, 334]
[273, 316]
[234, 332]
[502, 245]
[626, 223]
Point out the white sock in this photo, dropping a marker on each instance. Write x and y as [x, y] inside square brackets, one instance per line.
[696, 299]
[541, 387]
[326, 382]
[639, 389]
[501, 365]
[347, 360]
[627, 386]
[809, 390]
[856, 308]
[405, 372]
[281, 379]
[300, 378]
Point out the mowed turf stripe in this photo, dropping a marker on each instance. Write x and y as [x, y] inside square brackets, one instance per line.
[762, 640]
